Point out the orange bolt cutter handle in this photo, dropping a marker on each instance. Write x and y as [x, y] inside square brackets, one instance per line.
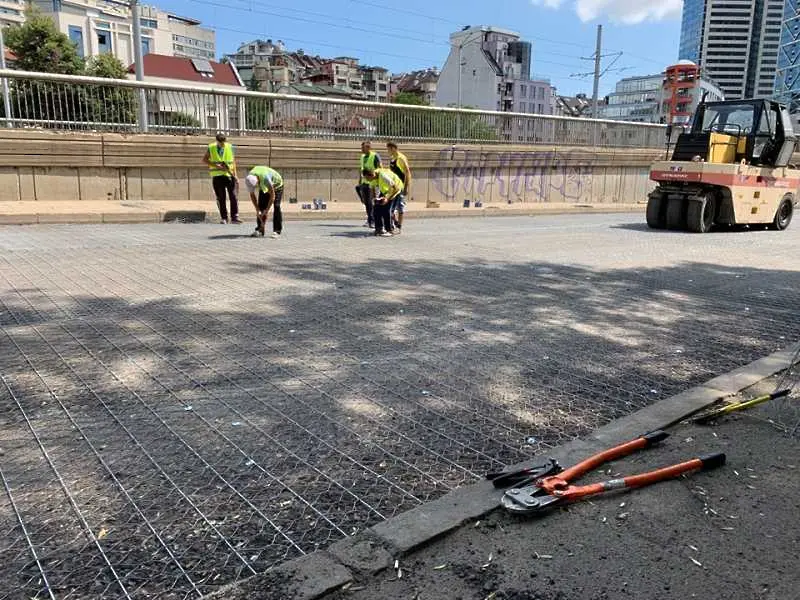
[704, 463]
[561, 481]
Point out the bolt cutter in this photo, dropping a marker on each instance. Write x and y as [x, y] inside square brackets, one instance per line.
[553, 490]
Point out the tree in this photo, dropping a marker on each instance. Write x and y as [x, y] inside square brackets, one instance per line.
[39, 46]
[428, 124]
[409, 98]
[257, 110]
[108, 104]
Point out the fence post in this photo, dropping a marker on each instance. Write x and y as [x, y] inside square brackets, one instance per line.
[6, 94]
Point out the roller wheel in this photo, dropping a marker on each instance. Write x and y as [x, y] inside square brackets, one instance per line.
[676, 214]
[784, 215]
[657, 211]
[700, 214]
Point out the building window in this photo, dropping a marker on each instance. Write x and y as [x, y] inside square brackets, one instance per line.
[76, 37]
[104, 42]
[146, 45]
[149, 23]
[523, 91]
[522, 106]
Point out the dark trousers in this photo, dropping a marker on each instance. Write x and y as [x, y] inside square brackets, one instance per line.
[222, 185]
[366, 194]
[277, 213]
[383, 218]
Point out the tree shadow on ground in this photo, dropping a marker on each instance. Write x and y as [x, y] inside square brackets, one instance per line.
[310, 399]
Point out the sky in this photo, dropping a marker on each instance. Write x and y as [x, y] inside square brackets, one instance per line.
[404, 35]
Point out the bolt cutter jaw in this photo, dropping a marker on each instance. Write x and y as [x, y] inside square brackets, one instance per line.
[528, 500]
[506, 479]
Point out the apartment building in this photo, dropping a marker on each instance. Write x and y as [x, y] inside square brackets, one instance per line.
[106, 27]
[490, 69]
[735, 42]
[422, 83]
[668, 97]
[12, 12]
[274, 68]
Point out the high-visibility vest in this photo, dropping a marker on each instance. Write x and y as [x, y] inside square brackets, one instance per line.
[368, 161]
[399, 165]
[265, 174]
[215, 156]
[386, 180]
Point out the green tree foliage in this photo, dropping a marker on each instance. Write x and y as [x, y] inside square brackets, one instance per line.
[404, 123]
[257, 110]
[39, 46]
[107, 104]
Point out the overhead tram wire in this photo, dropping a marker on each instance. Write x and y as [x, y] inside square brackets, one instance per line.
[422, 61]
[394, 9]
[216, 4]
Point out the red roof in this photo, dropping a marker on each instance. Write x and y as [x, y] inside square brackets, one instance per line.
[176, 67]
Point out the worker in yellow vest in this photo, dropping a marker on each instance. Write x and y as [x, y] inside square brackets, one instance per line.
[222, 168]
[266, 191]
[398, 163]
[369, 160]
[390, 190]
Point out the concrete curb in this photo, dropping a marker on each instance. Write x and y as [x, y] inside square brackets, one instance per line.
[373, 550]
[195, 216]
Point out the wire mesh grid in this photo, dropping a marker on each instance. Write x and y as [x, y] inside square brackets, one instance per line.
[167, 430]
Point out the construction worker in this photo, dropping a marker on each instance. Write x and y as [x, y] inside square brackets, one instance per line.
[222, 168]
[398, 163]
[267, 183]
[390, 190]
[369, 160]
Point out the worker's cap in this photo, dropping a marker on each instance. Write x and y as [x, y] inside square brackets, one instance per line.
[251, 181]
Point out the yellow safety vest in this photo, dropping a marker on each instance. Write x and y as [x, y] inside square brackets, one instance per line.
[215, 156]
[267, 173]
[386, 180]
[368, 161]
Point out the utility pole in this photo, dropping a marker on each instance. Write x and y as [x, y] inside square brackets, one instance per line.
[6, 95]
[138, 61]
[598, 55]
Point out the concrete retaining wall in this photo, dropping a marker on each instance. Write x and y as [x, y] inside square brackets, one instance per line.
[45, 166]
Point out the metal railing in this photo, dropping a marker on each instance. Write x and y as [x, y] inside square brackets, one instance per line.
[74, 103]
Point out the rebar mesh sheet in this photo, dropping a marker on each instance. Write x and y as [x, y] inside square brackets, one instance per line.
[181, 407]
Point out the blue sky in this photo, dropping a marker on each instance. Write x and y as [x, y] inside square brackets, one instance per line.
[412, 34]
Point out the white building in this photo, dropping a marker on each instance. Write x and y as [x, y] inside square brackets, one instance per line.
[105, 26]
[494, 74]
[736, 42]
[12, 12]
[213, 112]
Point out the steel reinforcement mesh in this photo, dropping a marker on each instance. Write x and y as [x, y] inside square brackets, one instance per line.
[181, 408]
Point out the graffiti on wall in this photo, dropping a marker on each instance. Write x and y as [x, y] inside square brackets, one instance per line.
[556, 176]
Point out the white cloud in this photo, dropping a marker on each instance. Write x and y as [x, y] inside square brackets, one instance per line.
[548, 3]
[628, 12]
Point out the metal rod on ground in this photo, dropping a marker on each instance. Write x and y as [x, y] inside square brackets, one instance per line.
[6, 95]
[137, 57]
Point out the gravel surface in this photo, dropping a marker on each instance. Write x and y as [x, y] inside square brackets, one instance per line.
[182, 406]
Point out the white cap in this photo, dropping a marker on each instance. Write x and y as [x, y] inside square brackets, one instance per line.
[251, 181]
